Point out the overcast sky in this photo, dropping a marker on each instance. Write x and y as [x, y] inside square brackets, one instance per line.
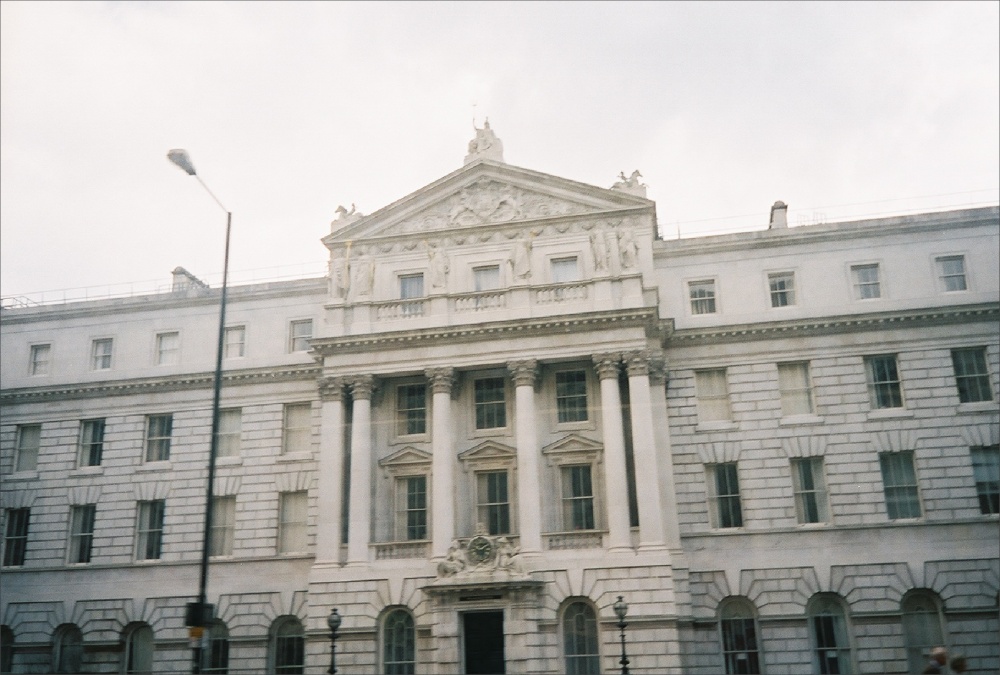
[290, 109]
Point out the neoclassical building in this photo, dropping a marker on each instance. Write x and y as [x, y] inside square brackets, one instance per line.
[509, 403]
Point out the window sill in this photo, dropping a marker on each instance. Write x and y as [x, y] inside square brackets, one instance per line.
[22, 475]
[978, 406]
[722, 425]
[87, 471]
[889, 413]
[583, 425]
[401, 439]
[493, 431]
[163, 465]
[295, 457]
[798, 420]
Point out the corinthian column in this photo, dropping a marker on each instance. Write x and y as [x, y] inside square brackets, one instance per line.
[442, 381]
[330, 485]
[360, 523]
[615, 471]
[647, 475]
[529, 499]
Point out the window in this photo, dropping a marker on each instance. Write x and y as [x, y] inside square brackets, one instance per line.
[411, 409]
[299, 334]
[15, 540]
[565, 270]
[810, 490]
[41, 357]
[81, 532]
[830, 636]
[6, 649]
[782, 287]
[883, 382]
[491, 408]
[168, 348]
[577, 498]
[411, 507]
[293, 509]
[218, 649]
[138, 652]
[580, 644]
[236, 342]
[738, 628]
[986, 472]
[866, 282]
[399, 652]
[67, 649]
[493, 502]
[713, 395]
[486, 278]
[91, 442]
[411, 287]
[724, 495]
[571, 396]
[288, 645]
[900, 482]
[922, 629]
[29, 440]
[702, 295]
[230, 429]
[149, 533]
[971, 376]
[796, 391]
[951, 272]
[223, 526]
[158, 431]
[298, 428]
[100, 354]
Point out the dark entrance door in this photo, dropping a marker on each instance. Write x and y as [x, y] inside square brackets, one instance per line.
[483, 643]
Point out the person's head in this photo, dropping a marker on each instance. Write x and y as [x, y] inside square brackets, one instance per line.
[939, 655]
[958, 664]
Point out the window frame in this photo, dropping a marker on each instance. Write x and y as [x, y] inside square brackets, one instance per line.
[725, 508]
[298, 341]
[296, 440]
[159, 437]
[405, 416]
[904, 483]
[403, 659]
[481, 409]
[287, 639]
[973, 382]
[477, 279]
[101, 359]
[581, 644]
[787, 293]
[17, 527]
[565, 266]
[563, 401]
[291, 527]
[986, 476]
[809, 490]
[791, 396]
[67, 649]
[706, 302]
[921, 606]
[217, 633]
[237, 329]
[229, 440]
[150, 518]
[489, 510]
[168, 348]
[405, 527]
[944, 276]
[828, 617]
[570, 502]
[223, 534]
[40, 367]
[884, 393]
[90, 443]
[411, 298]
[866, 288]
[740, 612]
[137, 637]
[82, 520]
[710, 402]
[26, 456]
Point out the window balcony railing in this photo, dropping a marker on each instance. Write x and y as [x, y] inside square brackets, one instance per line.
[483, 300]
[399, 309]
[561, 293]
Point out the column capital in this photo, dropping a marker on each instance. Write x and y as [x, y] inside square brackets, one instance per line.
[636, 362]
[651, 362]
[657, 367]
[607, 365]
[442, 380]
[362, 386]
[331, 388]
[524, 372]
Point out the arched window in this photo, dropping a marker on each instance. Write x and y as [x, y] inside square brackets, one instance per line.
[288, 642]
[218, 649]
[399, 650]
[738, 630]
[922, 628]
[580, 644]
[67, 649]
[137, 656]
[6, 649]
[830, 635]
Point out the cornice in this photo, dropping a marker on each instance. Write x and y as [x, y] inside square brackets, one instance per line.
[647, 317]
[158, 384]
[836, 324]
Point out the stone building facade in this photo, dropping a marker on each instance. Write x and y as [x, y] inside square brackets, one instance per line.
[508, 404]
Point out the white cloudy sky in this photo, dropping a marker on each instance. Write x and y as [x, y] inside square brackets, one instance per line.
[289, 109]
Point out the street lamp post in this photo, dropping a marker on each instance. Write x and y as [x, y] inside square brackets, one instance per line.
[333, 621]
[199, 614]
[621, 609]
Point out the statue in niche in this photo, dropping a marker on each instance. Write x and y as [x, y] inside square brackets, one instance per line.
[340, 275]
[627, 248]
[521, 259]
[438, 265]
[454, 562]
[599, 245]
[363, 275]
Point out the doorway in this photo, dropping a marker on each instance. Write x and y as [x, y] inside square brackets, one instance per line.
[483, 643]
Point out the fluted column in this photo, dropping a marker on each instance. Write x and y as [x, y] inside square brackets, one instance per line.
[330, 483]
[360, 522]
[615, 471]
[647, 475]
[442, 381]
[529, 499]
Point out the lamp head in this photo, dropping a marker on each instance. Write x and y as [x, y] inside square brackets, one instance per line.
[181, 159]
[333, 621]
[621, 608]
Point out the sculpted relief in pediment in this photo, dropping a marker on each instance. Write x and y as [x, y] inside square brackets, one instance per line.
[487, 202]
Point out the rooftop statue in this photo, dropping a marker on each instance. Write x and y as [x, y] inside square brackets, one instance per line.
[485, 145]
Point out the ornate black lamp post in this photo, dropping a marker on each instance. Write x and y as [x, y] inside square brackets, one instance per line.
[199, 614]
[621, 609]
[333, 621]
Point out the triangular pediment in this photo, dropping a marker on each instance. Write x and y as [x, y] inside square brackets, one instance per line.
[483, 194]
[489, 451]
[407, 457]
[572, 447]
